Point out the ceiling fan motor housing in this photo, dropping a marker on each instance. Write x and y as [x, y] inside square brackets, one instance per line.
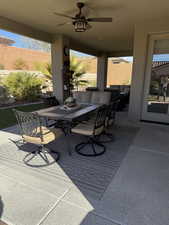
[80, 5]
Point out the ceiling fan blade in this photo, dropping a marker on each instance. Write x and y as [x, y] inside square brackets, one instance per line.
[62, 24]
[63, 15]
[100, 19]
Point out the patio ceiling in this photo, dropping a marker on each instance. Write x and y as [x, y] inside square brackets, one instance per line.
[111, 37]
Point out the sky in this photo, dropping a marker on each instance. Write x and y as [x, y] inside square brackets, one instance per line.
[14, 37]
[18, 43]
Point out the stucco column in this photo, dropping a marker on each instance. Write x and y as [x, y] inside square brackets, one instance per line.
[58, 59]
[138, 75]
[102, 62]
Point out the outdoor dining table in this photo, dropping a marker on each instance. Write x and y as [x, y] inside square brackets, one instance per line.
[65, 118]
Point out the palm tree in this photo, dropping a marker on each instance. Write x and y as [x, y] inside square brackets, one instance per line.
[76, 66]
[78, 69]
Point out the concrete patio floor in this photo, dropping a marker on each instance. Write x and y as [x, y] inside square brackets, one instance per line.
[137, 194]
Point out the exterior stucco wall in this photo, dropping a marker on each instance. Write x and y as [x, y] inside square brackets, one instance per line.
[141, 35]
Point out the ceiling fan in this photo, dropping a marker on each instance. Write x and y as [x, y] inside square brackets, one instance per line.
[80, 22]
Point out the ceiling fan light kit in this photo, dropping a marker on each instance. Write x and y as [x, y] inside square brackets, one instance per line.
[80, 25]
[80, 22]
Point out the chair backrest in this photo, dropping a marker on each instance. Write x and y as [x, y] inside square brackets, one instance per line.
[30, 124]
[82, 96]
[111, 113]
[100, 120]
[101, 97]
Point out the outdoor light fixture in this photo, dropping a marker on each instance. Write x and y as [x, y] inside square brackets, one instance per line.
[80, 22]
[80, 25]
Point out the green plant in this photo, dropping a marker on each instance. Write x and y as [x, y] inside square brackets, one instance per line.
[20, 64]
[2, 67]
[76, 66]
[79, 70]
[23, 86]
[44, 68]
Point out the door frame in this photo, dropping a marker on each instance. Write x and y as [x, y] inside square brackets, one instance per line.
[150, 116]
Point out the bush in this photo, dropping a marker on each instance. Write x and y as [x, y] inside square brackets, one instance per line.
[2, 67]
[20, 64]
[23, 86]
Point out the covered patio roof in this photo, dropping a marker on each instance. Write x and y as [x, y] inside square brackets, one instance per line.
[36, 19]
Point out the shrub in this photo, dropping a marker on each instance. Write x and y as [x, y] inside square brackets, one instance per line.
[20, 64]
[23, 86]
[2, 67]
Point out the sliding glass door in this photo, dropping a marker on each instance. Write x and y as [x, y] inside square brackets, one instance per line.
[156, 88]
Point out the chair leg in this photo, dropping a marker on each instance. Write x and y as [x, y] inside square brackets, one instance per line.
[93, 144]
[93, 147]
[43, 152]
[109, 137]
[18, 142]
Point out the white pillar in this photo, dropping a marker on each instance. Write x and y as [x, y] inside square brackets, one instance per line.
[58, 59]
[102, 72]
[138, 74]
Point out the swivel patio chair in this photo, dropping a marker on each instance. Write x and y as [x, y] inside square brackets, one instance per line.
[101, 97]
[33, 131]
[110, 121]
[82, 96]
[92, 130]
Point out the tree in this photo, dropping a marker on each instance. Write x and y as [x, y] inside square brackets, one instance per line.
[76, 66]
[78, 69]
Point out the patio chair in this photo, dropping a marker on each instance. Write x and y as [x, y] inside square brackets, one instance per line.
[82, 96]
[33, 131]
[110, 120]
[101, 97]
[93, 131]
[111, 113]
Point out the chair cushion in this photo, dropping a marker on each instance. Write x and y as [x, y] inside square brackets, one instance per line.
[84, 129]
[87, 129]
[82, 96]
[49, 135]
[100, 97]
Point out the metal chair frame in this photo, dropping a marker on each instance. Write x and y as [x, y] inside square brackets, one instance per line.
[93, 140]
[30, 124]
[111, 116]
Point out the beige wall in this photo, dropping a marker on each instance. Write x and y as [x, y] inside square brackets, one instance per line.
[142, 32]
[119, 74]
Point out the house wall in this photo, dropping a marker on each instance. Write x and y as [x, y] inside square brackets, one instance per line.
[141, 36]
[117, 74]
